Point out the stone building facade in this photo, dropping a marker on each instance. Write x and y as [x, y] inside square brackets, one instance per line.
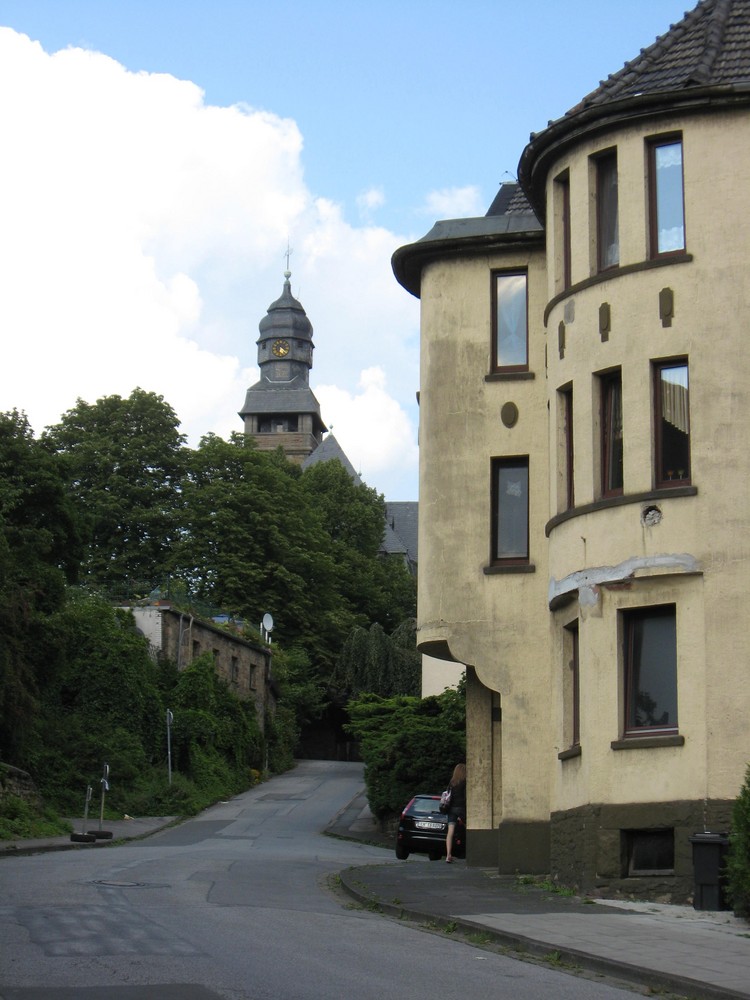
[585, 510]
[180, 637]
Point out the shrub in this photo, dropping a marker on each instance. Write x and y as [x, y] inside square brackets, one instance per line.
[738, 866]
[20, 818]
[409, 745]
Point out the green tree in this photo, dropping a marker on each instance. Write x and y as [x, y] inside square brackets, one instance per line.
[371, 661]
[38, 552]
[374, 588]
[123, 461]
[253, 543]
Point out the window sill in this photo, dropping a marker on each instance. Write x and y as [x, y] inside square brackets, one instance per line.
[647, 742]
[571, 752]
[619, 501]
[509, 376]
[519, 568]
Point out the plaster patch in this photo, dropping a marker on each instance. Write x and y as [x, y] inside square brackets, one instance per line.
[587, 581]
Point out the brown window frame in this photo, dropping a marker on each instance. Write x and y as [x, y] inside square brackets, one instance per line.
[566, 414]
[574, 665]
[607, 381]
[498, 464]
[605, 162]
[495, 325]
[652, 144]
[563, 187]
[632, 617]
[662, 478]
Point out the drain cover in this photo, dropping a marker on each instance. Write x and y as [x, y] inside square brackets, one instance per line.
[119, 885]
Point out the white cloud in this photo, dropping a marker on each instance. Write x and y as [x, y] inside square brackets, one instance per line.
[142, 241]
[378, 457]
[369, 201]
[454, 203]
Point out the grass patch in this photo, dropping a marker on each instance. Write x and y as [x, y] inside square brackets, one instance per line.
[19, 819]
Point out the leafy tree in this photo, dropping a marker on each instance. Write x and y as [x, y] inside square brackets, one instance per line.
[123, 461]
[38, 551]
[375, 589]
[409, 745]
[253, 543]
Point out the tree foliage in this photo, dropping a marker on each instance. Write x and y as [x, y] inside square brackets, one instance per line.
[409, 745]
[375, 662]
[123, 464]
[113, 498]
[38, 551]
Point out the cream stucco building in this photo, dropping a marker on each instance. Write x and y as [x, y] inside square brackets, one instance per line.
[584, 472]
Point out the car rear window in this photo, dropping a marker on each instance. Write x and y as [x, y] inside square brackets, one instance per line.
[424, 804]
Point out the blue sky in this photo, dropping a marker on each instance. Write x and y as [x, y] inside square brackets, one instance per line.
[146, 219]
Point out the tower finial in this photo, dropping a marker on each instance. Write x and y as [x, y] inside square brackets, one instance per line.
[288, 254]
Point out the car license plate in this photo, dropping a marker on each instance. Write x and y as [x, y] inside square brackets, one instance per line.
[429, 826]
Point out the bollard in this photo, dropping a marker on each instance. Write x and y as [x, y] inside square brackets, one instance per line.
[83, 837]
[101, 834]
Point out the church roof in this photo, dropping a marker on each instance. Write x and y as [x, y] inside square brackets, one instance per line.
[328, 450]
[286, 317]
[294, 396]
[401, 524]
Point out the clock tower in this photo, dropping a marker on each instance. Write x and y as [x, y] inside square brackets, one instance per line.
[281, 410]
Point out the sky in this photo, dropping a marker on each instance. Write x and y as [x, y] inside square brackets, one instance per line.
[160, 156]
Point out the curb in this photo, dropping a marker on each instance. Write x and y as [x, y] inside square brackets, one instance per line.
[691, 989]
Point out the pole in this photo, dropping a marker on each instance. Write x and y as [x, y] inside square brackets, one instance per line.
[170, 720]
[105, 788]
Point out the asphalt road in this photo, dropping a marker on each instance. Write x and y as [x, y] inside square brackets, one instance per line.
[240, 903]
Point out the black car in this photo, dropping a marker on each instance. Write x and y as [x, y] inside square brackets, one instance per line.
[422, 829]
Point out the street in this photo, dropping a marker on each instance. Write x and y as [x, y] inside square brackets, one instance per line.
[239, 903]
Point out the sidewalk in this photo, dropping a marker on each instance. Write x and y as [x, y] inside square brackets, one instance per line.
[701, 955]
[121, 829]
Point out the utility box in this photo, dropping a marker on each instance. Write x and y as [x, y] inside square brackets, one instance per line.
[709, 859]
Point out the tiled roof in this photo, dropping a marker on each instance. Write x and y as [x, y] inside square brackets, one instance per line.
[510, 200]
[709, 47]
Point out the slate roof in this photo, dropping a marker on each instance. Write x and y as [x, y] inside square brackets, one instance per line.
[294, 396]
[402, 522]
[709, 47]
[701, 63]
[328, 450]
[510, 200]
[286, 317]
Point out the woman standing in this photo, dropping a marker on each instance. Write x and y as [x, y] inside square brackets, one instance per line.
[457, 807]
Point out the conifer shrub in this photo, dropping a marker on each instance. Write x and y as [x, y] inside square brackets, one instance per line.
[409, 745]
[738, 864]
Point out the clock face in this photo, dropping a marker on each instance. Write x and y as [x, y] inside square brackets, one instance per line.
[280, 348]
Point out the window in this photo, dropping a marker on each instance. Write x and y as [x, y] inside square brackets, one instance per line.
[607, 215]
[565, 417]
[611, 430]
[562, 191]
[672, 424]
[510, 510]
[571, 688]
[648, 852]
[650, 660]
[666, 197]
[509, 335]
